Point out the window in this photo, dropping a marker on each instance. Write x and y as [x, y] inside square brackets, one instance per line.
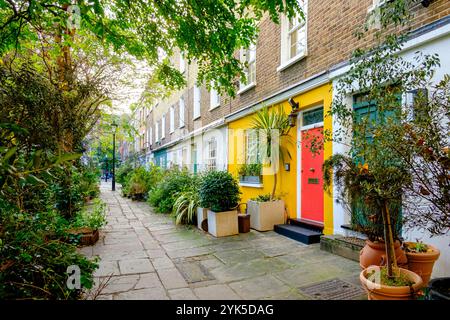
[172, 119]
[212, 154]
[248, 56]
[156, 132]
[293, 38]
[215, 97]
[252, 154]
[150, 136]
[163, 126]
[182, 63]
[312, 116]
[197, 98]
[182, 112]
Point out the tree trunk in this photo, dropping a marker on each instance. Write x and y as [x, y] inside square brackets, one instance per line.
[391, 262]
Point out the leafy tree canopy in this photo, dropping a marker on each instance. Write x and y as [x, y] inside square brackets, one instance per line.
[207, 31]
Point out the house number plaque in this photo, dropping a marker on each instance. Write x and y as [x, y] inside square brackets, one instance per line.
[313, 181]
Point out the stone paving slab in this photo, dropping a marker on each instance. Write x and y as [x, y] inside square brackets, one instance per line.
[144, 255]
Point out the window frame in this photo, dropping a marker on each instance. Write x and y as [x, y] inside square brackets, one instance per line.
[213, 93]
[181, 113]
[163, 126]
[246, 57]
[212, 159]
[197, 96]
[172, 119]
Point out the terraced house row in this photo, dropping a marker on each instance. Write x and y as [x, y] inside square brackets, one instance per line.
[295, 62]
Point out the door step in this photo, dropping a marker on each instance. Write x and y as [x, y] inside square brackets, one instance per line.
[307, 224]
[304, 235]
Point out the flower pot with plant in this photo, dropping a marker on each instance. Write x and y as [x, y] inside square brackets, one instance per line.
[250, 173]
[265, 212]
[421, 259]
[219, 192]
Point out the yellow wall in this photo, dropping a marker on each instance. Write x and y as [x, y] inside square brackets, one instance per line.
[287, 180]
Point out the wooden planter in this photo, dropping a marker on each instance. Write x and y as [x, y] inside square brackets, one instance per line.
[244, 223]
[223, 224]
[264, 215]
[88, 237]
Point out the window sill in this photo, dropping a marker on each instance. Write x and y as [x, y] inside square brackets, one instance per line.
[246, 88]
[214, 107]
[290, 62]
[197, 117]
[251, 185]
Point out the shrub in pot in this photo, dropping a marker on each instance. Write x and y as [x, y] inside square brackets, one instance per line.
[265, 212]
[421, 259]
[219, 192]
[250, 173]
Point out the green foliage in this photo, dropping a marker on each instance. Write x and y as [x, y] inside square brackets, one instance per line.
[33, 266]
[142, 180]
[163, 196]
[185, 207]
[274, 127]
[219, 191]
[92, 216]
[208, 31]
[263, 198]
[253, 169]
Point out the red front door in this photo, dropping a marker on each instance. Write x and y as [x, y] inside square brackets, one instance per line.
[311, 177]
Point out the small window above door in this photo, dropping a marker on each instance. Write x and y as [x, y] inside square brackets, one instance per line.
[312, 116]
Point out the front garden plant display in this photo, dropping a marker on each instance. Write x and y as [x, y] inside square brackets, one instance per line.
[421, 259]
[265, 212]
[219, 192]
[250, 173]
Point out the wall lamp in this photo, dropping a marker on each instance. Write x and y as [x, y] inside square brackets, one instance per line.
[295, 110]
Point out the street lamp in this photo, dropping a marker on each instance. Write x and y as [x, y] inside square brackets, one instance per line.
[114, 125]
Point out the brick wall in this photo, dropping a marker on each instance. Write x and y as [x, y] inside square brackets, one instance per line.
[331, 40]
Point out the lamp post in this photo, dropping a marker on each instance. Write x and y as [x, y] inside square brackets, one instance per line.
[114, 125]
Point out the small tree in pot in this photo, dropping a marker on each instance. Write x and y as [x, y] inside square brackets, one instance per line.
[219, 192]
[273, 126]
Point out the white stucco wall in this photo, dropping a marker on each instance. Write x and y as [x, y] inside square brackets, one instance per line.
[436, 41]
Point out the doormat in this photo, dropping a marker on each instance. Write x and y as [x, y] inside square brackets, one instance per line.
[334, 289]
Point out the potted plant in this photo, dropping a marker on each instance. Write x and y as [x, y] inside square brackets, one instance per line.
[219, 192]
[421, 259]
[250, 173]
[267, 211]
[87, 222]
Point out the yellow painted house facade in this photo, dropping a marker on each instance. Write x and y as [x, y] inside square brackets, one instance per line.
[290, 182]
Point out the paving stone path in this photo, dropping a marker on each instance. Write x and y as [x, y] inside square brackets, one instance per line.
[144, 255]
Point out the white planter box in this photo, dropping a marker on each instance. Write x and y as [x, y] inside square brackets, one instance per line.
[264, 215]
[222, 224]
[202, 214]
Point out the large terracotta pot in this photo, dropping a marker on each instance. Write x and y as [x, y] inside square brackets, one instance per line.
[376, 291]
[422, 263]
[374, 254]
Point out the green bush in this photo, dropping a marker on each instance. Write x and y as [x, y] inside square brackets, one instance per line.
[185, 207]
[253, 169]
[93, 217]
[262, 198]
[219, 191]
[33, 265]
[163, 196]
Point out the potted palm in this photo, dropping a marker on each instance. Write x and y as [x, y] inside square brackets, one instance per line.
[265, 212]
[219, 192]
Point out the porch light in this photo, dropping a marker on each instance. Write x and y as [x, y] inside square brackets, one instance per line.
[293, 115]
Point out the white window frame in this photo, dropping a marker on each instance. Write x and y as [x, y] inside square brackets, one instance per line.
[163, 126]
[252, 141]
[212, 154]
[150, 135]
[286, 59]
[197, 102]
[182, 106]
[156, 132]
[182, 63]
[172, 119]
[214, 98]
[248, 56]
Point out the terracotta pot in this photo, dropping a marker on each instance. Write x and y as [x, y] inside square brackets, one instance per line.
[422, 263]
[382, 292]
[374, 254]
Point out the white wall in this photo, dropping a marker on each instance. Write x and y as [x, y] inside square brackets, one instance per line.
[437, 41]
